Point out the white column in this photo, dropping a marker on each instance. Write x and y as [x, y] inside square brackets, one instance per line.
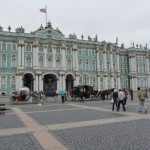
[77, 79]
[147, 65]
[58, 84]
[148, 81]
[112, 82]
[105, 62]
[45, 58]
[118, 82]
[33, 56]
[111, 62]
[40, 83]
[98, 78]
[19, 55]
[20, 81]
[64, 83]
[73, 54]
[97, 57]
[37, 56]
[54, 59]
[118, 67]
[36, 82]
[63, 59]
[76, 60]
[23, 56]
[17, 82]
[105, 83]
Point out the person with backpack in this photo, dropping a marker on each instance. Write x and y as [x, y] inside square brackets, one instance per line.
[140, 95]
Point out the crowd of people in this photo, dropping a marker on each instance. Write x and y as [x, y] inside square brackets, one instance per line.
[120, 97]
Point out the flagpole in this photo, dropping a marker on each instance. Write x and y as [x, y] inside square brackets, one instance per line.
[46, 14]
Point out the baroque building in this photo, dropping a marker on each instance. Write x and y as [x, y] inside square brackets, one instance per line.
[47, 60]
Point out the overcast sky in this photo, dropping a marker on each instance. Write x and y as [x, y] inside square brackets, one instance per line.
[129, 20]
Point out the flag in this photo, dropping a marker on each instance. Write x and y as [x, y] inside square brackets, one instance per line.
[43, 10]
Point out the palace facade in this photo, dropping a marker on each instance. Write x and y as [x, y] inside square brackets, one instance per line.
[47, 60]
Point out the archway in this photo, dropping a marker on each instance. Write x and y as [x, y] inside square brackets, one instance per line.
[50, 83]
[69, 82]
[28, 81]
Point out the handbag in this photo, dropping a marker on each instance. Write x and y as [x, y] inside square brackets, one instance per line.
[112, 100]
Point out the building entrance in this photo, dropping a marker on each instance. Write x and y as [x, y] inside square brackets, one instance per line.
[69, 82]
[50, 83]
[28, 81]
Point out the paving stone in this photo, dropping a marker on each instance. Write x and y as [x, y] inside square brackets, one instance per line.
[19, 142]
[46, 118]
[130, 135]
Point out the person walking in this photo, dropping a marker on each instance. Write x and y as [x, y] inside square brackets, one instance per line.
[63, 94]
[121, 97]
[145, 93]
[68, 95]
[140, 95]
[115, 97]
[131, 93]
[126, 94]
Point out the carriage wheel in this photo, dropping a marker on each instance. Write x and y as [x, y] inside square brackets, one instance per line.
[91, 97]
[11, 100]
[35, 100]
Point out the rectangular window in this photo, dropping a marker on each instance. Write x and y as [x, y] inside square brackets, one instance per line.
[93, 52]
[41, 49]
[28, 48]
[4, 47]
[14, 47]
[68, 51]
[79, 52]
[86, 52]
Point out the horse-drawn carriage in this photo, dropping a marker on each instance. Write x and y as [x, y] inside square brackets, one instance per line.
[24, 95]
[84, 91]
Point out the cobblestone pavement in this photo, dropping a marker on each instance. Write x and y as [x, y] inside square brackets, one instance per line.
[91, 125]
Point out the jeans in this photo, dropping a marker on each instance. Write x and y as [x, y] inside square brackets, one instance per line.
[121, 102]
[142, 105]
[114, 103]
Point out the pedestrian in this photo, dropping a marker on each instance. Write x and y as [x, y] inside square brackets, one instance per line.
[126, 94]
[131, 93]
[145, 93]
[81, 95]
[63, 94]
[115, 97]
[140, 95]
[68, 95]
[121, 97]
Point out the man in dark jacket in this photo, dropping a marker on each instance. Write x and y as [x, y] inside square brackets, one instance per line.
[115, 97]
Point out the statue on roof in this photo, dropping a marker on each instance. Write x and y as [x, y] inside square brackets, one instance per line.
[49, 25]
[122, 45]
[82, 37]
[58, 30]
[89, 38]
[117, 40]
[137, 45]
[1, 28]
[96, 38]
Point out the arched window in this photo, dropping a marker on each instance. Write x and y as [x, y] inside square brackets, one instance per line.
[13, 61]
[49, 49]
[109, 83]
[80, 80]
[4, 61]
[28, 61]
[58, 50]
[68, 51]
[3, 82]
[115, 82]
[41, 61]
[13, 82]
[41, 49]
[49, 61]
[58, 66]
[69, 64]
[87, 81]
